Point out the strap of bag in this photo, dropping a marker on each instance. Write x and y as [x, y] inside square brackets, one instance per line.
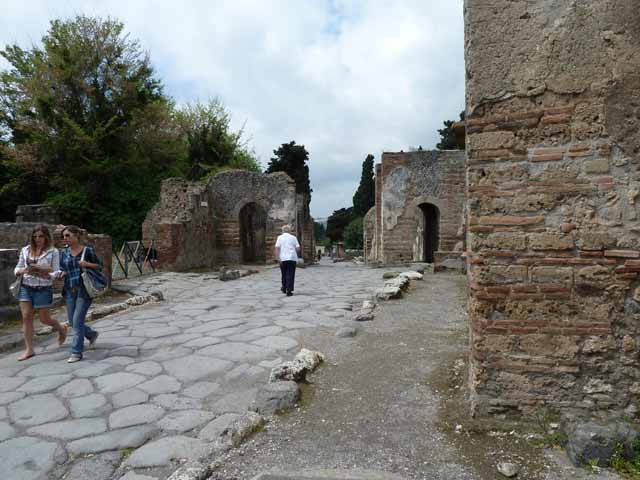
[82, 257]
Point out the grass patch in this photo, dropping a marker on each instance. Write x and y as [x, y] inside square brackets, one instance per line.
[126, 452]
[628, 467]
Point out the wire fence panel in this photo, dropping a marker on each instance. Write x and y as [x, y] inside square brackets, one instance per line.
[134, 259]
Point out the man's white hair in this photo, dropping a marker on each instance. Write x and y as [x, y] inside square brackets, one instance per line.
[286, 229]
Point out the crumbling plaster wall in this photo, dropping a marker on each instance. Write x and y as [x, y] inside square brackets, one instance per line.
[407, 180]
[553, 147]
[232, 190]
[183, 225]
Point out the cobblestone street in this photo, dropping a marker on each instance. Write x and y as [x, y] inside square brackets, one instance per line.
[159, 374]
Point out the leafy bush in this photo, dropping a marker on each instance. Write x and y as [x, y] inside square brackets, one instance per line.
[353, 234]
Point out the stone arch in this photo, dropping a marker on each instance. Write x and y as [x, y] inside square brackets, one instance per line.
[252, 218]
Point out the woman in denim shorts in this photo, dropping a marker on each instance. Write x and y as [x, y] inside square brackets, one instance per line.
[38, 264]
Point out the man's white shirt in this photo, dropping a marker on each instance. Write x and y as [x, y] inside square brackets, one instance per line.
[288, 245]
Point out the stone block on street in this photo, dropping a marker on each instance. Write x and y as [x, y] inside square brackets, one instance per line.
[166, 450]
[276, 397]
[387, 293]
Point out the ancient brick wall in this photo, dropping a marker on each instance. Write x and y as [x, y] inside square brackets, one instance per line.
[406, 181]
[230, 192]
[183, 225]
[369, 235]
[553, 101]
[376, 255]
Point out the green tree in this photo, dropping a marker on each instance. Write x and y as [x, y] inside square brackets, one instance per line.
[365, 196]
[337, 222]
[211, 145]
[91, 129]
[450, 139]
[353, 234]
[319, 231]
[292, 159]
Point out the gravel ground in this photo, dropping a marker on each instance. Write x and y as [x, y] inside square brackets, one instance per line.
[392, 400]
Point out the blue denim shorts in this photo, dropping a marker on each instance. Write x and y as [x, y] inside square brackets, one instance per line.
[40, 297]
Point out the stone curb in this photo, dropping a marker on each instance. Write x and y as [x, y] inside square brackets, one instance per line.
[242, 429]
[14, 340]
[118, 307]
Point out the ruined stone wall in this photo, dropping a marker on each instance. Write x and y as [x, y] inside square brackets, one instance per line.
[183, 225]
[8, 260]
[304, 223]
[369, 235]
[232, 190]
[37, 214]
[408, 180]
[553, 146]
[376, 255]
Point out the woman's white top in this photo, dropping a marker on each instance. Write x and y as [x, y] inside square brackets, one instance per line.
[49, 257]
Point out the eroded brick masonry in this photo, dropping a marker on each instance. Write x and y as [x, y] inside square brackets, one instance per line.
[418, 214]
[234, 218]
[553, 101]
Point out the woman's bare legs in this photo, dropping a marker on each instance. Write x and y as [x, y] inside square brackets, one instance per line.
[45, 317]
[26, 309]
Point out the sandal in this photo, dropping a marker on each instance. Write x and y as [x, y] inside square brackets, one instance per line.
[62, 336]
[24, 357]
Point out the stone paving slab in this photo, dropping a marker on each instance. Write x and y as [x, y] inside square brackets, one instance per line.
[27, 458]
[167, 368]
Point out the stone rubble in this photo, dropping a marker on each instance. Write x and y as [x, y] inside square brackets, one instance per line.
[347, 332]
[411, 275]
[589, 441]
[276, 397]
[296, 370]
[508, 469]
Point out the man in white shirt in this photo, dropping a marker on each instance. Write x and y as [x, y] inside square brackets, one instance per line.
[287, 250]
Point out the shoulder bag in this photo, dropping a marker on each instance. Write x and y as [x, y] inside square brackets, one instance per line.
[93, 280]
[14, 287]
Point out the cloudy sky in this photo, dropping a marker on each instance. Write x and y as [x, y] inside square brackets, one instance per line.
[343, 77]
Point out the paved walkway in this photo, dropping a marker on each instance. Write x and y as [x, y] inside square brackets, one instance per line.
[160, 374]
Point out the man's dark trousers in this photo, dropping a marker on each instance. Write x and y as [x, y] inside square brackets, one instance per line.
[288, 269]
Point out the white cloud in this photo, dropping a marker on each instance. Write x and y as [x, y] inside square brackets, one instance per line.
[343, 77]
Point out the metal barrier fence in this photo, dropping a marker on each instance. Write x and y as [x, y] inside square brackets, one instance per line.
[134, 259]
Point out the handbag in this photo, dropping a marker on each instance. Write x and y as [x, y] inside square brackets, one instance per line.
[14, 287]
[93, 280]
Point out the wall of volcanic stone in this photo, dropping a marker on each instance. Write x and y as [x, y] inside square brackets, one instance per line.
[553, 143]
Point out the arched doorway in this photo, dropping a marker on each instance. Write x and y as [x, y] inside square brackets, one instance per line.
[253, 229]
[430, 230]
